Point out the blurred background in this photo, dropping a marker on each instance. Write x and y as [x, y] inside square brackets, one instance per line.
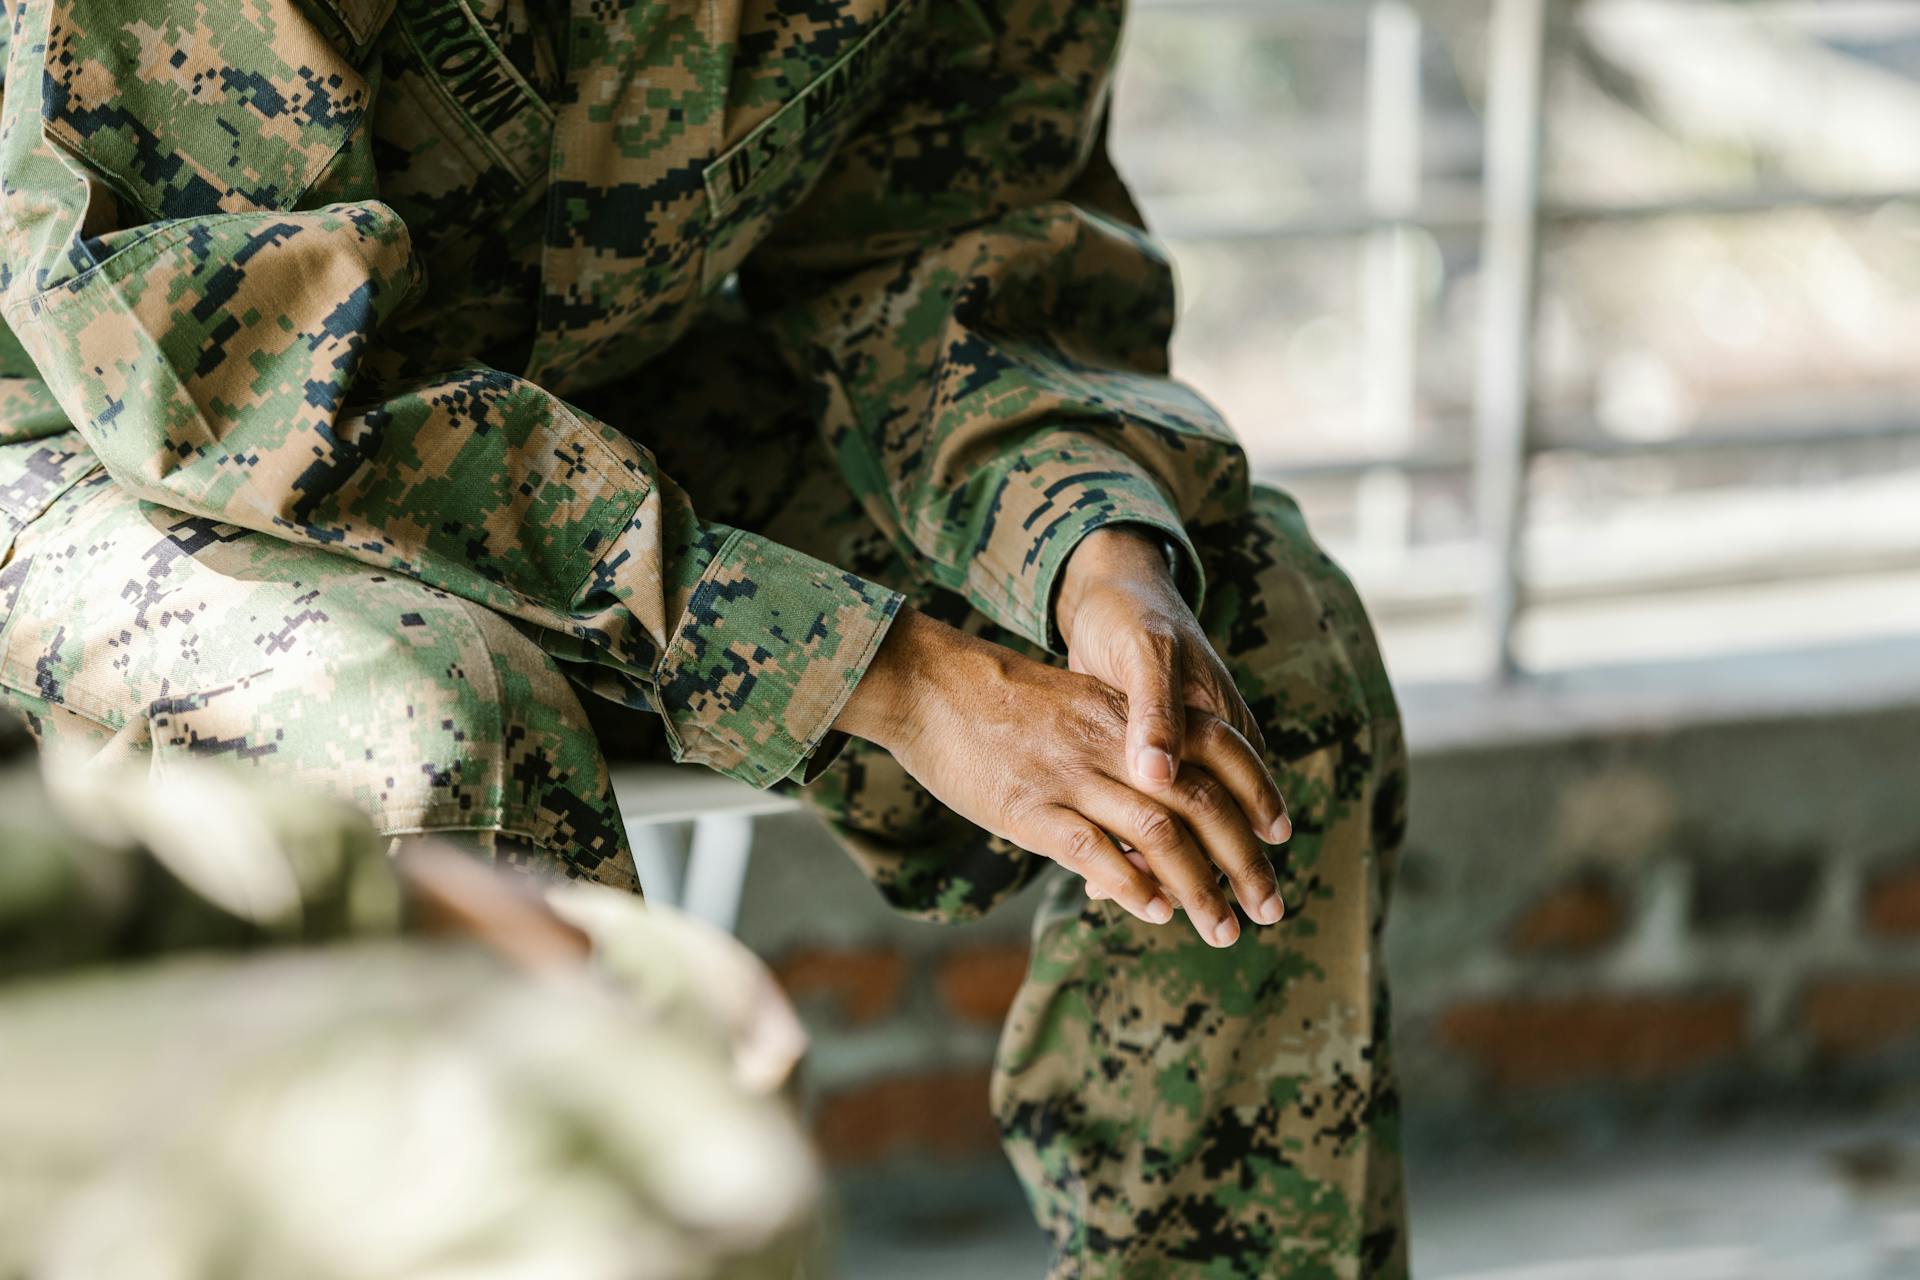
[1622, 301]
[1588, 336]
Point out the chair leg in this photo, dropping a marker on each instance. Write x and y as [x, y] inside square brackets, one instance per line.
[717, 868]
[660, 856]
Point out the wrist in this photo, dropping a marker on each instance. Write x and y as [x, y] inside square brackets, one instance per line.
[1124, 553]
[883, 705]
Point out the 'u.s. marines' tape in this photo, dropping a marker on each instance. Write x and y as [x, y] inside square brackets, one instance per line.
[838, 90]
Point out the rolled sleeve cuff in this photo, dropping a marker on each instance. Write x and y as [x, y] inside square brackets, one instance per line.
[1014, 577]
[769, 649]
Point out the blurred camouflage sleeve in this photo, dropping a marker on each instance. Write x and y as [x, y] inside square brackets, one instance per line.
[227, 1012]
[971, 293]
[209, 285]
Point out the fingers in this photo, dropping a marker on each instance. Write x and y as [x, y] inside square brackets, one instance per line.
[1170, 851]
[1211, 688]
[1084, 849]
[1234, 710]
[1218, 748]
[1098, 894]
[1156, 712]
[1217, 820]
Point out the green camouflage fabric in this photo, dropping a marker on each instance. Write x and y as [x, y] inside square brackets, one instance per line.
[226, 1054]
[374, 357]
[325, 270]
[1177, 1110]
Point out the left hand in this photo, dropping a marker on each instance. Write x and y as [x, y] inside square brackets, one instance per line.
[1126, 625]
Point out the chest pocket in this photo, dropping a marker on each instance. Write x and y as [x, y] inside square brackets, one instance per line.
[771, 169]
[188, 113]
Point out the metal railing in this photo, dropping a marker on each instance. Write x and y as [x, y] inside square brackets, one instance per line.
[1509, 218]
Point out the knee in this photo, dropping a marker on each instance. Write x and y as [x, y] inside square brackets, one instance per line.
[429, 713]
[496, 736]
[1294, 632]
[399, 710]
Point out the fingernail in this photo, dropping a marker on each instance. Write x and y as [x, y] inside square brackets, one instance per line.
[1281, 831]
[1154, 765]
[1158, 911]
[1226, 932]
[1272, 909]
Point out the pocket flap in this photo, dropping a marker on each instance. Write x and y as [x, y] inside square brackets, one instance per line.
[362, 19]
[187, 120]
[34, 473]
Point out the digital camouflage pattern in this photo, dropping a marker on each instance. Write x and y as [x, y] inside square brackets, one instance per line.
[425, 709]
[375, 356]
[1174, 1110]
[324, 269]
[1178, 1110]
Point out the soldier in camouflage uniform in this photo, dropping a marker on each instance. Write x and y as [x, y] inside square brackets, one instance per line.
[381, 372]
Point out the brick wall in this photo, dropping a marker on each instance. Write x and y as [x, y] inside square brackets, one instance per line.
[1705, 917]
[904, 1035]
[1715, 916]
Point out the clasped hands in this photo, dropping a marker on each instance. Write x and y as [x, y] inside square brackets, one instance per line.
[1138, 768]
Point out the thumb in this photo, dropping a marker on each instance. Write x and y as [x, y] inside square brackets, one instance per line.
[1156, 716]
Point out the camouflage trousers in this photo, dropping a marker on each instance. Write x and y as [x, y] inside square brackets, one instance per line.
[1173, 1110]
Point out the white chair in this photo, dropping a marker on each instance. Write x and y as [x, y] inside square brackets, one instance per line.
[691, 831]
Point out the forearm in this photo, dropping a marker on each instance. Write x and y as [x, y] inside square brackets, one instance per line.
[889, 705]
[988, 338]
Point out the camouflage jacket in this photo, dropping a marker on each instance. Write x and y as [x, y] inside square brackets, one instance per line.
[334, 269]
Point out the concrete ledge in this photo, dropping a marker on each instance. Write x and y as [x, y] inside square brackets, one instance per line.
[1649, 697]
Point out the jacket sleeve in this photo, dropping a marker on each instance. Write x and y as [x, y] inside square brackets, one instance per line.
[197, 264]
[970, 290]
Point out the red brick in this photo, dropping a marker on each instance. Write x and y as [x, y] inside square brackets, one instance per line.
[1536, 1042]
[1575, 918]
[977, 984]
[1846, 1016]
[937, 1113]
[1893, 902]
[862, 985]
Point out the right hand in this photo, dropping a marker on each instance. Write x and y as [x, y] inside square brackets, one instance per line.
[1038, 756]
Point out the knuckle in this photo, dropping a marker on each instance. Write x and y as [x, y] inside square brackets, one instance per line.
[1007, 794]
[1149, 654]
[1078, 774]
[1081, 847]
[1158, 829]
[1204, 794]
[1211, 732]
[1156, 720]
[1108, 711]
